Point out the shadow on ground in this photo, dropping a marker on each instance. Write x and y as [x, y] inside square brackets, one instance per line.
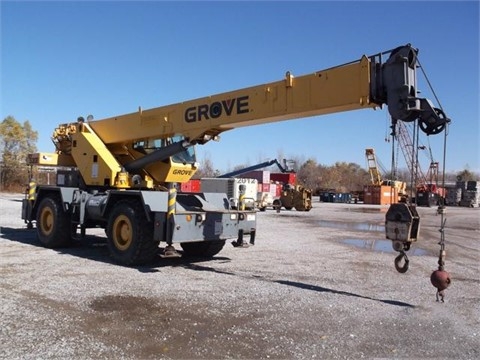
[95, 248]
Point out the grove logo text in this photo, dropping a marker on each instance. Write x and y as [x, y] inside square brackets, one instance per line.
[237, 105]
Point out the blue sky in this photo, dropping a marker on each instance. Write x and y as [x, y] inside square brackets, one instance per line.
[60, 60]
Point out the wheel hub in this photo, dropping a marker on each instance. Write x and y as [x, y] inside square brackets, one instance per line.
[122, 233]
[46, 222]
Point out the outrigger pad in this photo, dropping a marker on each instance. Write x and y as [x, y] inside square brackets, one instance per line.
[170, 252]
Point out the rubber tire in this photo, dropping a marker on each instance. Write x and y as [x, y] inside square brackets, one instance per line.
[203, 249]
[127, 219]
[53, 223]
[303, 208]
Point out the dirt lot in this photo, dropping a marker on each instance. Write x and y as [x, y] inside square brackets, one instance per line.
[319, 284]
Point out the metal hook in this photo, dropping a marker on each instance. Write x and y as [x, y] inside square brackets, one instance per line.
[398, 260]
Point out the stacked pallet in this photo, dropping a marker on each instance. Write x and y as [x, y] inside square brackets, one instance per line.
[471, 195]
[454, 195]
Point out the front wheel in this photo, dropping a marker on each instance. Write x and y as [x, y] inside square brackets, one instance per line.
[277, 205]
[205, 249]
[130, 235]
[53, 223]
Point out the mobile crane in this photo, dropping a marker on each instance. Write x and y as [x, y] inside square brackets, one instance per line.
[377, 179]
[119, 173]
[427, 190]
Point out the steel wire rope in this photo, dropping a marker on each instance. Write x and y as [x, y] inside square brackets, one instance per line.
[440, 278]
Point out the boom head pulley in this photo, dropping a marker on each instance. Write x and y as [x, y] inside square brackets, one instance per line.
[399, 82]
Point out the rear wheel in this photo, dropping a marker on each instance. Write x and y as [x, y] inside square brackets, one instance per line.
[53, 223]
[306, 206]
[204, 249]
[130, 235]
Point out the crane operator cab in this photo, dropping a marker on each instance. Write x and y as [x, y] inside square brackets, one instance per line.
[165, 160]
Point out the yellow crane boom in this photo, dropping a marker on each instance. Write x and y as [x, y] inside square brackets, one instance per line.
[373, 167]
[156, 144]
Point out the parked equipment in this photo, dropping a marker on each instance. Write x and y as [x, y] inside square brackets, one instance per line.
[291, 195]
[241, 192]
[295, 196]
[119, 173]
[389, 191]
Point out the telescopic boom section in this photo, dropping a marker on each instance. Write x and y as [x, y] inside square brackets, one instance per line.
[368, 82]
[338, 89]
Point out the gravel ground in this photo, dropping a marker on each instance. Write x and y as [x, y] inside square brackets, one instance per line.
[319, 284]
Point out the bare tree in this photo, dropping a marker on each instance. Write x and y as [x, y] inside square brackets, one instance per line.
[341, 177]
[308, 174]
[466, 175]
[16, 141]
[206, 169]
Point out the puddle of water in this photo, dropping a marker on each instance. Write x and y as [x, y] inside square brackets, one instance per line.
[352, 226]
[367, 210]
[380, 245]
